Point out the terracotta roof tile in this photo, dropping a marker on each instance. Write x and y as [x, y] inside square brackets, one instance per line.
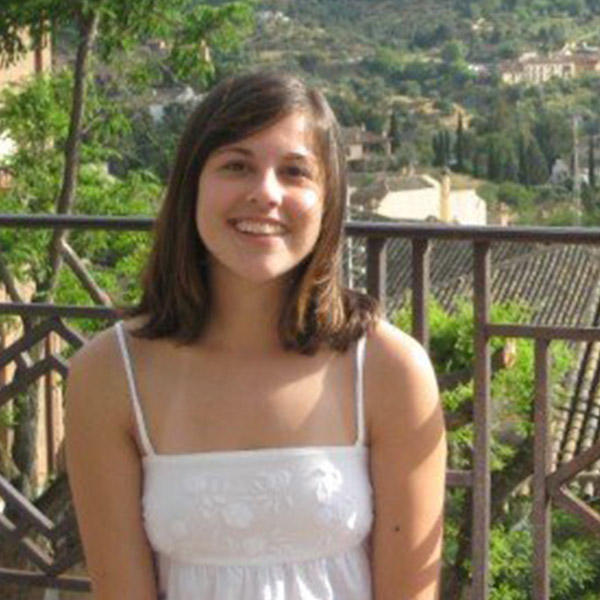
[561, 283]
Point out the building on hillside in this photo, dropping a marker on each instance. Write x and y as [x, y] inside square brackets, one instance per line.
[360, 143]
[538, 69]
[272, 17]
[183, 98]
[532, 67]
[420, 197]
[38, 60]
[562, 167]
[561, 172]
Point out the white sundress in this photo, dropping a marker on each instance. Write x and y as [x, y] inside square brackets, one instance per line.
[288, 523]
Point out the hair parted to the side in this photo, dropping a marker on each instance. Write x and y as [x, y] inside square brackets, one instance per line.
[176, 298]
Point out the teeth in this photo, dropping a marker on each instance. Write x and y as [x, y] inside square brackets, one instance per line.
[259, 227]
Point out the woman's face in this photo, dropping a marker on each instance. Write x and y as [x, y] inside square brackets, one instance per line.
[260, 201]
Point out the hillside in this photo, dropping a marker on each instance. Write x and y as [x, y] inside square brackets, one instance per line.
[428, 62]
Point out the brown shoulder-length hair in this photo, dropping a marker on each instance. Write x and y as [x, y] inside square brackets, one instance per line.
[176, 297]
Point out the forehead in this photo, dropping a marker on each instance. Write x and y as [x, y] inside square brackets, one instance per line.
[292, 135]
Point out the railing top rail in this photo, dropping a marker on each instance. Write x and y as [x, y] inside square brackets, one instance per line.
[49, 221]
[479, 233]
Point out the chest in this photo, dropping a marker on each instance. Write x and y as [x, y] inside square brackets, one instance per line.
[258, 507]
[196, 402]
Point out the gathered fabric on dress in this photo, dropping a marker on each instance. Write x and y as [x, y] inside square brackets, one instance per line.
[289, 523]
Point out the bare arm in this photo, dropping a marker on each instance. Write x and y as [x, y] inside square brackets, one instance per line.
[408, 461]
[105, 474]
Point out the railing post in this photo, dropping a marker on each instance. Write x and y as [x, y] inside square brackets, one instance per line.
[420, 291]
[481, 416]
[377, 269]
[541, 469]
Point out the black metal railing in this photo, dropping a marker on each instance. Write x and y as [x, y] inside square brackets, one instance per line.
[548, 484]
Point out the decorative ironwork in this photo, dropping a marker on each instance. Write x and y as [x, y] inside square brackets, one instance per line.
[52, 548]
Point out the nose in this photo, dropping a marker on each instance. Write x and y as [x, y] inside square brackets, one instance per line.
[269, 191]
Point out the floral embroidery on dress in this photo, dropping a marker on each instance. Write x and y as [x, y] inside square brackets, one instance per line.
[237, 514]
[309, 507]
[328, 482]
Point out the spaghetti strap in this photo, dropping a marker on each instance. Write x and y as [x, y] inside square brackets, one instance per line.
[359, 363]
[133, 393]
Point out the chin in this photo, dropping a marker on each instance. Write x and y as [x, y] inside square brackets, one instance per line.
[262, 276]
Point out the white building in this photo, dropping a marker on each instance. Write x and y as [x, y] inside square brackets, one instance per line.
[421, 197]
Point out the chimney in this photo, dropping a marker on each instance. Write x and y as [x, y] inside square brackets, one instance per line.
[445, 207]
[204, 52]
[504, 215]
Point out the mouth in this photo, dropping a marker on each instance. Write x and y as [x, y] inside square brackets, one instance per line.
[258, 227]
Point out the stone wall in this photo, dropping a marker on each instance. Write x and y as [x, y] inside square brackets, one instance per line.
[50, 427]
[34, 61]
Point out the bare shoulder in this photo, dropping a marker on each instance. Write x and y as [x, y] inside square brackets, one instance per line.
[400, 380]
[96, 356]
[101, 354]
[391, 348]
[96, 385]
[105, 471]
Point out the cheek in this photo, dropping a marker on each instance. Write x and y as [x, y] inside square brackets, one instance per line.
[311, 201]
[308, 207]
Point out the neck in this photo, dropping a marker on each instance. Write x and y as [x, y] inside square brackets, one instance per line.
[244, 316]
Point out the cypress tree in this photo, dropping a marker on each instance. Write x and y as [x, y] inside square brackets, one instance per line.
[523, 170]
[435, 142]
[537, 168]
[492, 165]
[476, 170]
[591, 163]
[459, 146]
[440, 151]
[394, 133]
[447, 147]
[510, 168]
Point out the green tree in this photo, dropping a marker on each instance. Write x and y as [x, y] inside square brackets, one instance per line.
[453, 52]
[523, 166]
[503, 163]
[591, 162]
[537, 168]
[575, 570]
[62, 123]
[107, 27]
[441, 148]
[459, 146]
[394, 132]
[553, 133]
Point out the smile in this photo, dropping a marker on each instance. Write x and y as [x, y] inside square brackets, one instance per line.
[256, 227]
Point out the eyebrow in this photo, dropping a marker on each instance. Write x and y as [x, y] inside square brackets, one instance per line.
[237, 149]
[308, 157]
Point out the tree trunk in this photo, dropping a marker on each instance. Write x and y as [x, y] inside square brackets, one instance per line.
[88, 28]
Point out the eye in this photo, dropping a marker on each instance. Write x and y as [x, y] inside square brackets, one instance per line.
[235, 166]
[296, 171]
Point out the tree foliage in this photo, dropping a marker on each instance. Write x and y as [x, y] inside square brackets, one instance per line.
[575, 570]
[69, 126]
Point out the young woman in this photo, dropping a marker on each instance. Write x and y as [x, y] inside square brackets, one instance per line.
[253, 430]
